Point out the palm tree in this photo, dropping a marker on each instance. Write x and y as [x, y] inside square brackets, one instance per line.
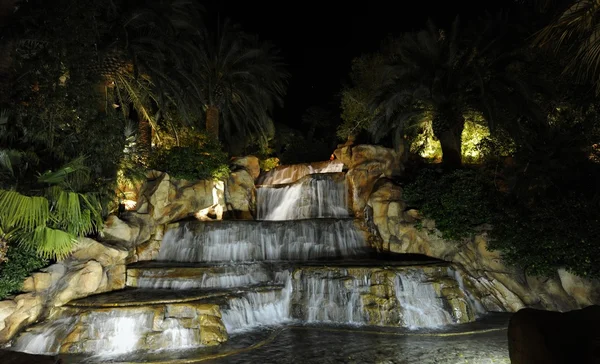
[48, 214]
[148, 60]
[240, 79]
[575, 32]
[435, 75]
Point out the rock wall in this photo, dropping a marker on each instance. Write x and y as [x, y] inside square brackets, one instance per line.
[379, 201]
[92, 268]
[99, 266]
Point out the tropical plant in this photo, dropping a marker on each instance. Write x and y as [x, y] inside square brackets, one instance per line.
[48, 219]
[439, 76]
[19, 263]
[366, 77]
[240, 79]
[199, 156]
[575, 34]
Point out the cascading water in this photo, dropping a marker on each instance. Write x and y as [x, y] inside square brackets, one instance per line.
[246, 241]
[257, 308]
[45, 339]
[315, 196]
[421, 305]
[391, 297]
[264, 272]
[224, 276]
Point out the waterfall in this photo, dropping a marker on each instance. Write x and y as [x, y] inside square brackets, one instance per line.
[314, 196]
[327, 298]
[297, 262]
[228, 276]
[421, 305]
[386, 297]
[473, 302]
[258, 241]
[117, 332]
[256, 308]
[46, 338]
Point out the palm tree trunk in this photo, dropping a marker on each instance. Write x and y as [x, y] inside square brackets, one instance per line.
[212, 121]
[450, 137]
[145, 132]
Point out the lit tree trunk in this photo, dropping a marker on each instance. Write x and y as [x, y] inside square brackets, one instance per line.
[145, 138]
[448, 128]
[212, 121]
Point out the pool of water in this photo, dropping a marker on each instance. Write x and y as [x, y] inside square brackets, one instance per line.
[481, 342]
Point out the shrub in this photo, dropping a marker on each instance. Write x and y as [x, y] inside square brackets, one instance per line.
[537, 233]
[194, 162]
[19, 264]
[458, 202]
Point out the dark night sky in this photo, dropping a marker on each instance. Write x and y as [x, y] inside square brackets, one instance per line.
[319, 39]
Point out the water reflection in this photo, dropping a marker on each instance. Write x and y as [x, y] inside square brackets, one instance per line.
[482, 342]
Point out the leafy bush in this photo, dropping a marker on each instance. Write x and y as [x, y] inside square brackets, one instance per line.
[268, 163]
[539, 233]
[194, 162]
[458, 201]
[20, 263]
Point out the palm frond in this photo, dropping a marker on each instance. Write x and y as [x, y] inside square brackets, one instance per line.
[24, 212]
[49, 243]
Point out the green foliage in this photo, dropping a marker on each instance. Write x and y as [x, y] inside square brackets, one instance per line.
[242, 77]
[533, 226]
[19, 264]
[202, 158]
[472, 136]
[366, 76]
[301, 151]
[268, 163]
[553, 233]
[49, 223]
[458, 202]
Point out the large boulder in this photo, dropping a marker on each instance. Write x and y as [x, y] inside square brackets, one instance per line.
[81, 282]
[536, 336]
[167, 199]
[7, 308]
[240, 195]
[128, 231]
[27, 309]
[366, 164]
[249, 163]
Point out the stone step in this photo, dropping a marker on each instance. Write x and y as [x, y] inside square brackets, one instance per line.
[199, 276]
[145, 297]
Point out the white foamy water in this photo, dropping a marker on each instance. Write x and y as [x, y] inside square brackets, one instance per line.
[421, 305]
[337, 297]
[219, 277]
[333, 299]
[45, 339]
[315, 196]
[258, 308]
[117, 332]
[257, 241]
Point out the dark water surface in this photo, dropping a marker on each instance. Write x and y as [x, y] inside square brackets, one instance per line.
[481, 342]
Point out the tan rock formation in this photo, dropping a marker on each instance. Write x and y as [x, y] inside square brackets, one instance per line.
[240, 195]
[27, 309]
[366, 164]
[506, 287]
[167, 200]
[249, 163]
